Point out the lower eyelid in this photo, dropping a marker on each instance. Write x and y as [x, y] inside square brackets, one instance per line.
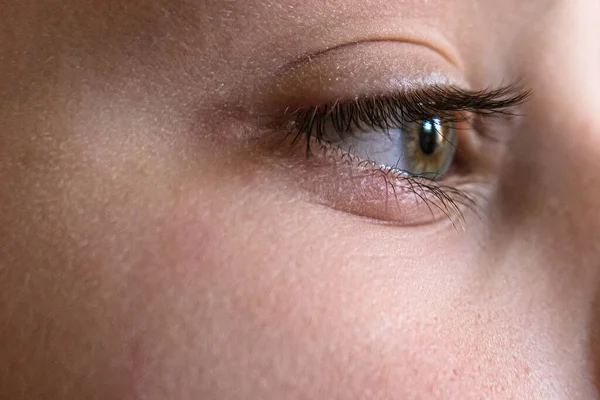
[338, 180]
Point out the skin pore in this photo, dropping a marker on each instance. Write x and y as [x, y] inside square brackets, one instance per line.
[162, 238]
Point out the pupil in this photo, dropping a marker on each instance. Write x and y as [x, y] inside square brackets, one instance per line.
[429, 136]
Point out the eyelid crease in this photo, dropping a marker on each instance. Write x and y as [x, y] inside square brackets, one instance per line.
[451, 58]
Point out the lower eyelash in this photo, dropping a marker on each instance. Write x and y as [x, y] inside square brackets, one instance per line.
[448, 200]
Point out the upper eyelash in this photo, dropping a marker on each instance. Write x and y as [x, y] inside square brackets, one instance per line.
[382, 113]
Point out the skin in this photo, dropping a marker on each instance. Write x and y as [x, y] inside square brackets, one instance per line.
[156, 244]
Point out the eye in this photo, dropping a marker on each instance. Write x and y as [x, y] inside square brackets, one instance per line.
[412, 133]
[424, 148]
[405, 157]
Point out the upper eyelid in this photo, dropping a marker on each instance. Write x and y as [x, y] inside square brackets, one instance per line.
[365, 68]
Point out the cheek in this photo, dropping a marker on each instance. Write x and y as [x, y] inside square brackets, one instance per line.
[244, 311]
[203, 298]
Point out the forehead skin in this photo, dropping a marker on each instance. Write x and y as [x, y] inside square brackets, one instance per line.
[145, 255]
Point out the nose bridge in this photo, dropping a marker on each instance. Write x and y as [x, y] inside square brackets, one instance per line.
[551, 183]
[546, 212]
